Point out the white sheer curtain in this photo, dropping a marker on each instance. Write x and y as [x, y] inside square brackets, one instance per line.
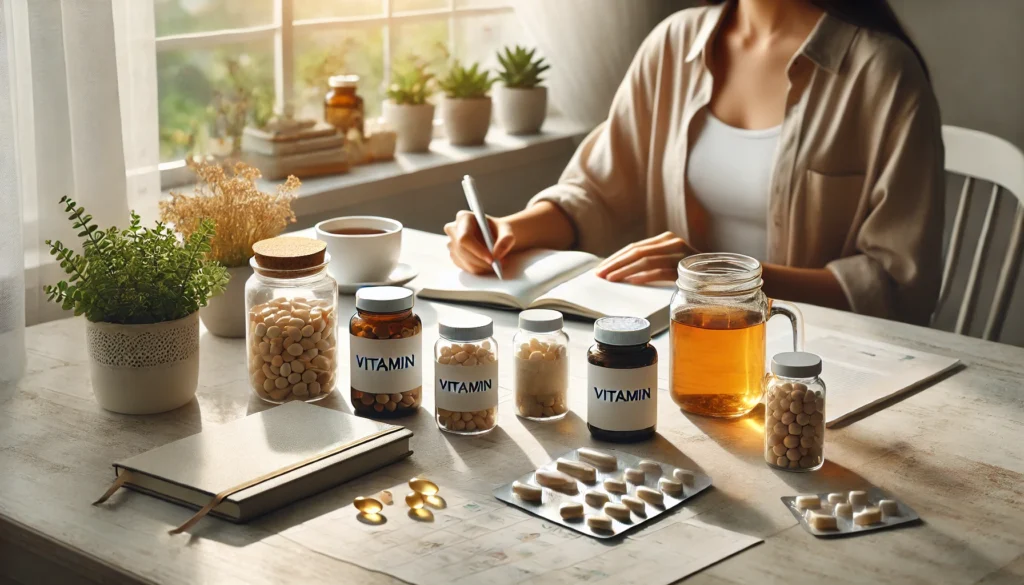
[83, 76]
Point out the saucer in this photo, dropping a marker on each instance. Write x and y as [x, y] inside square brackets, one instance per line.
[402, 274]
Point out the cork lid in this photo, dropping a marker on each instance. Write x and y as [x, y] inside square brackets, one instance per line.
[289, 256]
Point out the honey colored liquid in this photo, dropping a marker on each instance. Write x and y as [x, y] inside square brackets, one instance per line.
[717, 360]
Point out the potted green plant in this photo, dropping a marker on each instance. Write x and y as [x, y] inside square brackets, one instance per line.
[140, 290]
[243, 215]
[466, 108]
[407, 110]
[522, 100]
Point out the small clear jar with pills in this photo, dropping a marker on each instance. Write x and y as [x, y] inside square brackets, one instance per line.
[542, 366]
[291, 303]
[466, 375]
[794, 418]
[385, 353]
[622, 381]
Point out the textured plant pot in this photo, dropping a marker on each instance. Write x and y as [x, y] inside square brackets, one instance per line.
[144, 369]
[466, 121]
[224, 315]
[521, 111]
[413, 124]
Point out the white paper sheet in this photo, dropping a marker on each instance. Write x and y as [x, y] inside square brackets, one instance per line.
[477, 539]
[861, 373]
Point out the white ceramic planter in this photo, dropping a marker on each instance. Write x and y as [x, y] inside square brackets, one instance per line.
[413, 124]
[224, 315]
[466, 121]
[144, 369]
[521, 111]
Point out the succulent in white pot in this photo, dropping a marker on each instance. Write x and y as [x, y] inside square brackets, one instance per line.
[140, 290]
[522, 101]
[407, 110]
[242, 215]
[466, 108]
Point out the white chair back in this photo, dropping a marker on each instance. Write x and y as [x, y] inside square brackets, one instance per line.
[980, 156]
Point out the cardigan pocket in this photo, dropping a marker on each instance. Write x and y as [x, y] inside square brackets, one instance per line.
[832, 209]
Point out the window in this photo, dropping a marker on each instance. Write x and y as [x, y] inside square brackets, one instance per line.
[280, 52]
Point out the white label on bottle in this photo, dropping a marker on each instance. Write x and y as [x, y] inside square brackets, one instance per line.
[385, 366]
[622, 399]
[466, 388]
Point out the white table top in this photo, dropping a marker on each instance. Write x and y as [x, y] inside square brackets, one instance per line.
[952, 451]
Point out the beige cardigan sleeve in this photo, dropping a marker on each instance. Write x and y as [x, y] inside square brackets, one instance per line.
[897, 272]
[603, 189]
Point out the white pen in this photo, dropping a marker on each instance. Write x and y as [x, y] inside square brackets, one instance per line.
[469, 187]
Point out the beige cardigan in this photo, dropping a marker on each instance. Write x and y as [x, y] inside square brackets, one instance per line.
[858, 180]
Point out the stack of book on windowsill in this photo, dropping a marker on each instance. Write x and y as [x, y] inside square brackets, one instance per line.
[303, 148]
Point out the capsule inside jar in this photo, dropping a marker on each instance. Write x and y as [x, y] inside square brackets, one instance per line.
[385, 348]
[466, 375]
[541, 366]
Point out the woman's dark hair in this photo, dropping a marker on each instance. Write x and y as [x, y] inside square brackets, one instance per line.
[870, 14]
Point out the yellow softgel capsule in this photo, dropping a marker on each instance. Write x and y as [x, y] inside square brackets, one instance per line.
[415, 500]
[367, 505]
[423, 486]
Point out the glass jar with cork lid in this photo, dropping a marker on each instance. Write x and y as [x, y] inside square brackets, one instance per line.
[385, 353]
[291, 303]
[343, 107]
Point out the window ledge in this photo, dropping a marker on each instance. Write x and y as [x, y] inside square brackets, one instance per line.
[444, 163]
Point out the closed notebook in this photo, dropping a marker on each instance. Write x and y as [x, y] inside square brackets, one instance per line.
[191, 471]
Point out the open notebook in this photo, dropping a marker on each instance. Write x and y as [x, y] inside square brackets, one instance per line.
[547, 279]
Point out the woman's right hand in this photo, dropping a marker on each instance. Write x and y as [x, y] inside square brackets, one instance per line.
[467, 247]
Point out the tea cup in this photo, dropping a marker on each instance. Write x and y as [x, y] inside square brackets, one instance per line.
[363, 248]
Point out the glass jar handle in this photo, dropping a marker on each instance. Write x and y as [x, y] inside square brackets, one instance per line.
[796, 319]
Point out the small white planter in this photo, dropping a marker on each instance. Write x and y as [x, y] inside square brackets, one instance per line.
[521, 111]
[466, 120]
[224, 315]
[144, 369]
[413, 124]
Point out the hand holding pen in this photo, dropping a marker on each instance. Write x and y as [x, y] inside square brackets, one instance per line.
[468, 247]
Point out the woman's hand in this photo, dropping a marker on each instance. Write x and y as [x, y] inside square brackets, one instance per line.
[651, 260]
[466, 244]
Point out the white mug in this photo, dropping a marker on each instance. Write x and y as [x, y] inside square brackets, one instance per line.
[365, 257]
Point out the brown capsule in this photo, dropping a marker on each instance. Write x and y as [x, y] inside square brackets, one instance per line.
[423, 486]
[367, 505]
[415, 500]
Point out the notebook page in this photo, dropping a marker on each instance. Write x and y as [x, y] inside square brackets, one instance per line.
[590, 296]
[861, 373]
[527, 275]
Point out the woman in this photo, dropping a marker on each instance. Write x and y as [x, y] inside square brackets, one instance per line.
[804, 133]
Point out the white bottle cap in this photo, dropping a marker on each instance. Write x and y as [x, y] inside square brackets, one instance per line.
[540, 320]
[384, 299]
[471, 327]
[796, 364]
[622, 330]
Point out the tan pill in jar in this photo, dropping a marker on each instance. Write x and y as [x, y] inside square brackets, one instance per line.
[571, 511]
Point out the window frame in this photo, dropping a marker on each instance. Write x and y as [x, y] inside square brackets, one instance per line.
[282, 32]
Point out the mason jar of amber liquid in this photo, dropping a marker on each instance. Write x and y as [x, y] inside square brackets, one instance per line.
[717, 336]
[343, 107]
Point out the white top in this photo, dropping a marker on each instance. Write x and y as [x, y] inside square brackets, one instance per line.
[730, 173]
